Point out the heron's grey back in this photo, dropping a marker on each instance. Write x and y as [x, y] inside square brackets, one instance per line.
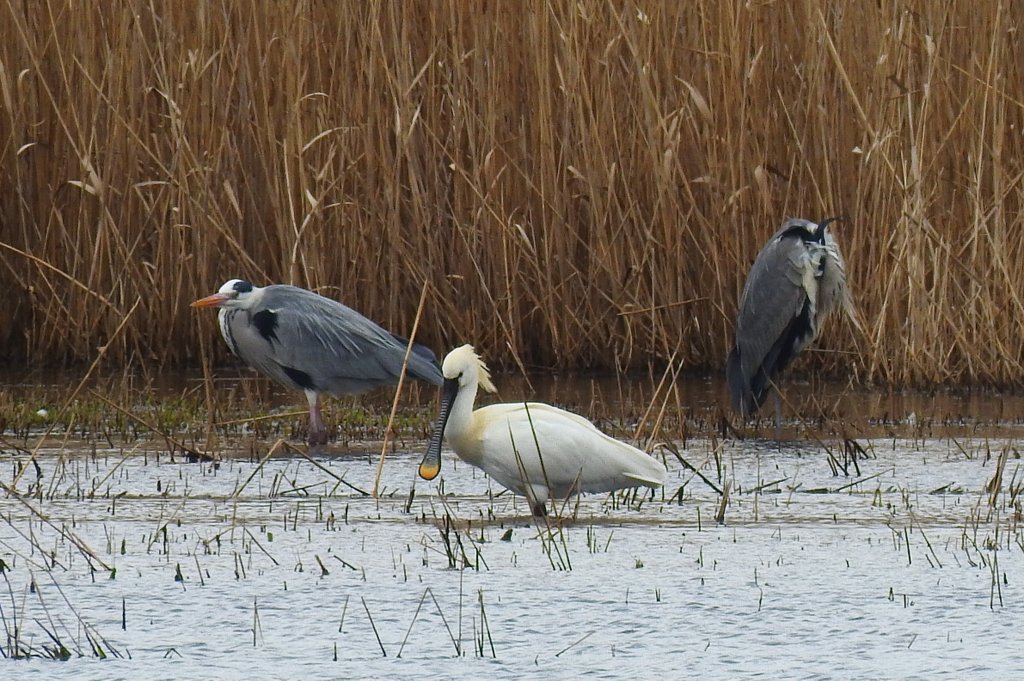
[301, 333]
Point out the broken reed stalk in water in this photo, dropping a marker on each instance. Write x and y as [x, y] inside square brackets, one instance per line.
[398, 389]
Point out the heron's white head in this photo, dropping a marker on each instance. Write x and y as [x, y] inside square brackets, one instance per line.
[807, 230]
[465, 366]
[235, 293]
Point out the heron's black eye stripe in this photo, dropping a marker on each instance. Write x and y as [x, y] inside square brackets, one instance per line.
[805, 235]
[265, 322]
[243, 287]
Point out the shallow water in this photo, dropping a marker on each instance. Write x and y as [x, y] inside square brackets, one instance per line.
[907, 567]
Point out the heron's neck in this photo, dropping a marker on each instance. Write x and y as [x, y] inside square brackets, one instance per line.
[224, 318]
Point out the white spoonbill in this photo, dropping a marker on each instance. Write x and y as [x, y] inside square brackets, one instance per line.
[314, 344]
[531, 448]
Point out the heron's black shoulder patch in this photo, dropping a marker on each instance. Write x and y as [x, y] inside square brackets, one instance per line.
[300, 378]
[265, 322]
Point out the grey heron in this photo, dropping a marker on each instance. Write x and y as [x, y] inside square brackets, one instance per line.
[796, 280]
[314, 344]
[533, 449]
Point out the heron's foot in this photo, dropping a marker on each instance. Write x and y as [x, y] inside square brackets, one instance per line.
[317, 436]
[317, 430]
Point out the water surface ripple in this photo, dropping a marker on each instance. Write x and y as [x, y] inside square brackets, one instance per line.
[908, 567]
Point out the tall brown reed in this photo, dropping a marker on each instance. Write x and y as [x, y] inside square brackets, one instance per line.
[580, 184]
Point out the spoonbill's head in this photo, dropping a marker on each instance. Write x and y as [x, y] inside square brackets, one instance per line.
[463, 371]
[464, 367]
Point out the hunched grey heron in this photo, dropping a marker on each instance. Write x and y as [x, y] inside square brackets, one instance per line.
[533, 449]
[314, 344]
[796, 280]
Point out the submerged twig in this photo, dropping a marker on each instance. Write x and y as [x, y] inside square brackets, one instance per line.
[675, 452]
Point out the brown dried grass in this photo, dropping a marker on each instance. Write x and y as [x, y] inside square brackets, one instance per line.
[581, 184]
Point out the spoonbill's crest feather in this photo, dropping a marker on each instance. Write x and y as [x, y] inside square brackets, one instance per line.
[463, 360]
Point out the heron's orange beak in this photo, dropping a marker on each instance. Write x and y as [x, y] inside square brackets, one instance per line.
[216, 300]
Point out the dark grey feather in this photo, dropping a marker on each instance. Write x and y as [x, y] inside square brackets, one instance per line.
[777, 318]
[292, 333]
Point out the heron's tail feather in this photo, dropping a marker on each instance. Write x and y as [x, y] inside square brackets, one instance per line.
[423, 362]
[424, 353]
[743, 398]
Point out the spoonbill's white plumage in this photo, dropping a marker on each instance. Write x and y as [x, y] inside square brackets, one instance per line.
[533, 449]
[314, 344]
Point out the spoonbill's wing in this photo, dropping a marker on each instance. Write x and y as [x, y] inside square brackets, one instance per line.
[560, 450]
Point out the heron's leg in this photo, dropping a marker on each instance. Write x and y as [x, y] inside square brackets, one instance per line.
[538, 508]
[778, 416]
[317, 429]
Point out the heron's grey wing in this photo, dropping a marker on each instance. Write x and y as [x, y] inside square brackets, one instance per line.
[339, 349]
[423, 362]
[773, 298]
[254, 347]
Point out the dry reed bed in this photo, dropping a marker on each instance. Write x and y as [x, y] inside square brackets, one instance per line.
[579, 184]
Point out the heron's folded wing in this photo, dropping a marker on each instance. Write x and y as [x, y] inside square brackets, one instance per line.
[347, 350]
[772, 297]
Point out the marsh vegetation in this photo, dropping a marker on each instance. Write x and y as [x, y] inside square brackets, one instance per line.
[897, 536]
[575, 184]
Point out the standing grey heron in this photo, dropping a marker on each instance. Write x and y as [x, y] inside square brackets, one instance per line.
[314, 344]
[796, 281]
[533, 449]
